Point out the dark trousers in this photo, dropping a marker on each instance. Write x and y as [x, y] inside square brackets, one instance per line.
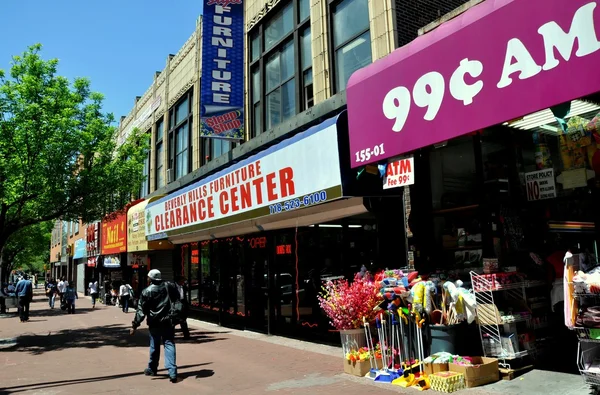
[24, 308]
[94, 297]
[125, 303]
[166, 335]
[70, 306]
[184, 328]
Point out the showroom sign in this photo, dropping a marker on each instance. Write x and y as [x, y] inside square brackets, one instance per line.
[299, 172]
[222, 90]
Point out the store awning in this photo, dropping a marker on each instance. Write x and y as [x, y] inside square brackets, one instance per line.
[496, 62]
[80, 250]
[313, 215]
[284, 180]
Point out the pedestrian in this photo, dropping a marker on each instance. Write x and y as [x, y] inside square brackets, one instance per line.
[70, 296]
[155, 304]
[35, 280]
[51, 292]
[183, 292]
[93, 288]
[62, 286]
[124, 296]
[24, 291]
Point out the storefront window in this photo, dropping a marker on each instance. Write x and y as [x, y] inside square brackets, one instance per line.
[351, 39]
[281, 83]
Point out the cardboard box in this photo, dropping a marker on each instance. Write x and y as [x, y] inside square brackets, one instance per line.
[360, 369]
[431, 368]
[483, 371]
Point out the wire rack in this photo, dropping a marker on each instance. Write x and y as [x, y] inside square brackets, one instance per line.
[586, 355]
[489, 319]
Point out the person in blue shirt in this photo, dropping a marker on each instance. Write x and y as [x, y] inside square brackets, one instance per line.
[70, 296]
[24, 291]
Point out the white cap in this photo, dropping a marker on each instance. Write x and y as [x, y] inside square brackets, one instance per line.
[154, 274]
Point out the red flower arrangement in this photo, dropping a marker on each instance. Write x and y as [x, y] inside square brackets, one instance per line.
[345, 304]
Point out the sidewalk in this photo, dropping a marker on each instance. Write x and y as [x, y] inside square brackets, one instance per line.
[91, 352]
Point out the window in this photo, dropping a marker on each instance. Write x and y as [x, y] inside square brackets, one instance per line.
[351, 39]
[69, 228]
[221, 147]
[145, 187]
[159, 155]
[76, 227]
[306, 66]
[280, 88]
[280, 66]
[304, 12]
[254, 47]
[256, 108]
[180, 138]
[279, 26]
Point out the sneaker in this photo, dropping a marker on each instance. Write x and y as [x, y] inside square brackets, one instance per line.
[149, 372]
[173, 379]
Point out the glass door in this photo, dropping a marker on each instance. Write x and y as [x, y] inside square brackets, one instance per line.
[232, 282]
[284, 298]
[257, 282]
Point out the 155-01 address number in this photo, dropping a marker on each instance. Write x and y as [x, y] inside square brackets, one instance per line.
[366, 154]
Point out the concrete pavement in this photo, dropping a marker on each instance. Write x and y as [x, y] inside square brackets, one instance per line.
[91, 352]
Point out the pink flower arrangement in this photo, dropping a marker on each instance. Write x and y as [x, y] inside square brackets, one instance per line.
[345, 304]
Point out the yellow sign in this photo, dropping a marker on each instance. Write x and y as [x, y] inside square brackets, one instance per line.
[136, 235]
[136, 230]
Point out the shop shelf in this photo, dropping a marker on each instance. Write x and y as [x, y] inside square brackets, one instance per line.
[456, 209]
[487, 286]
[584, 335]
[510, 319]
[517, 355]
[471, 247]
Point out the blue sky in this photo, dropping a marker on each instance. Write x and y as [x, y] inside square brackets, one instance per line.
[117, 44]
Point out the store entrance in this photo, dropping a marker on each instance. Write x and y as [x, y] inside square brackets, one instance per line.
[257, 284]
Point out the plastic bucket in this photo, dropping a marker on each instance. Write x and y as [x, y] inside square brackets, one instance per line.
[446, 338]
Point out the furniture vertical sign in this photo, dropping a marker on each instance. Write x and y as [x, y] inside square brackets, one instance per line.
[222, 82]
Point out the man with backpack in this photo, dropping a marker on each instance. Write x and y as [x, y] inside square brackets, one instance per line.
[160, 304]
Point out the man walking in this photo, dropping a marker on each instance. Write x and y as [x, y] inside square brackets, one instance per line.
[24, 291]
[124, 297]
[62, 287]
[93, 287]
[183, 296]
[155, 304]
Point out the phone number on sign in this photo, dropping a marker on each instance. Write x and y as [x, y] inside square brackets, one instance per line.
[304, 201]
[366, 154]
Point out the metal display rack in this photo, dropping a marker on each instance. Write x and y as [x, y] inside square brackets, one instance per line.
[490, 321]
[588, 348]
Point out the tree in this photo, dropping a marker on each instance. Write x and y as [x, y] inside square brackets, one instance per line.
[58, 151]
[27, 249]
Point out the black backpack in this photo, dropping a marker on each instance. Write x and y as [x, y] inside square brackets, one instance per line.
[176, 307]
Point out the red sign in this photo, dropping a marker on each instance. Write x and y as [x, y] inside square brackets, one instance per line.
[284, 249]
[257, 242]
[93, 240]
[114, 235]
[195, 256]
[91, 262]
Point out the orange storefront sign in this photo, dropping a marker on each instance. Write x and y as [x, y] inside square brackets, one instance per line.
[114, 235]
